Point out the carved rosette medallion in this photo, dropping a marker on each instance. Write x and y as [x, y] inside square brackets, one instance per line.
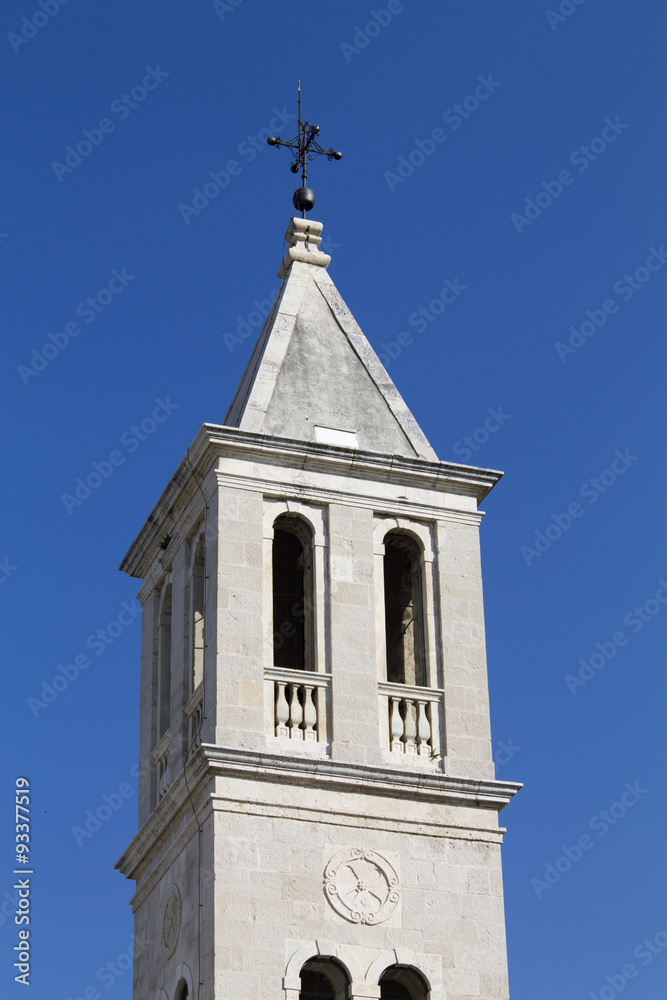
[362, 886]
[171, 922]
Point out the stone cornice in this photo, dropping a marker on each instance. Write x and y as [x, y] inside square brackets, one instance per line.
[211, 761]
[180, 795]
[346, 777]
[215, 441]
[399, 508]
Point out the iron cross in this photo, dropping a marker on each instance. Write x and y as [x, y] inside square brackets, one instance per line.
[305, 148]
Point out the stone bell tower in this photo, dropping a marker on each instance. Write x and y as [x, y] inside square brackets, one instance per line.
[318, 815]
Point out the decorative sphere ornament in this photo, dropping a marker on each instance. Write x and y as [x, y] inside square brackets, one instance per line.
[304, 199]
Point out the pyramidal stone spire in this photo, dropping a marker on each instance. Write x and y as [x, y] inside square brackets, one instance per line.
[313, 375]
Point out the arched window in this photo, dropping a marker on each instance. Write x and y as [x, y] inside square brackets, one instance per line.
[182, 992]
[164, 662]
[292, 594]
[324, 979]
[400, 982]
[197, 616]
[403, 610]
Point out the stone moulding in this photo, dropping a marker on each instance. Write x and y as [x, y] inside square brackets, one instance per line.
[210, 760]
[355, 777]
[215, 442]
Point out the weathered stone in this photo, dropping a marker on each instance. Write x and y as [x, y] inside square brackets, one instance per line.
[259, 816]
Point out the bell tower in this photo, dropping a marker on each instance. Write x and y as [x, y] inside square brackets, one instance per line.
[318, 815]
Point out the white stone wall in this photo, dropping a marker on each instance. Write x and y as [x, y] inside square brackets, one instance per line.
[239, 701]
[467, 716]
[270, 901]
[265, 849]
[348, 622]
[182, 864]
[266, 844]
[354, 692]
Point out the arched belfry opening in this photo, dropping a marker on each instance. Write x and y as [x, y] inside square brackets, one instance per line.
[403, 610]
[324, 979]
[164, 663]
[292, 594]
[400, 982]
[197, 616]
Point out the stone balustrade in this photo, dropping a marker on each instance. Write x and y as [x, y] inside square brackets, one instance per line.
[193, 711]
[161, 760]
[299, 700]
[412, 718]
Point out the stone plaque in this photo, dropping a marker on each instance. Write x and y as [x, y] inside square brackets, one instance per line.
[171, 922]
[362, 886]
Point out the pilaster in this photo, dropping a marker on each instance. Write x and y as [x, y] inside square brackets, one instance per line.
[467, 721]
[239, 708]
[352, 609]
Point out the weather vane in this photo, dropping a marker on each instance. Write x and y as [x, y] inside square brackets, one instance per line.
[305, 148]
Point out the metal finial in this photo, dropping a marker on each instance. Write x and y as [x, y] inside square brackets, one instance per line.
[305, 148]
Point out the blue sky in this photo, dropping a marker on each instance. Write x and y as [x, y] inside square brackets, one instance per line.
[541, 200]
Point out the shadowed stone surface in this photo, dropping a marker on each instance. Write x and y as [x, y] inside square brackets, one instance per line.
[323, 381]
[313, 366]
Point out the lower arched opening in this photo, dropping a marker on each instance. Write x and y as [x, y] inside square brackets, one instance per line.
[324, 979]
[400, 982]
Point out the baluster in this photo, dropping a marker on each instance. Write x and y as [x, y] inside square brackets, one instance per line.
[395, 724]
[309, 715]
[423, 728]
[410, 737]
[282, 710]
[162, 777]
[296, 713]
